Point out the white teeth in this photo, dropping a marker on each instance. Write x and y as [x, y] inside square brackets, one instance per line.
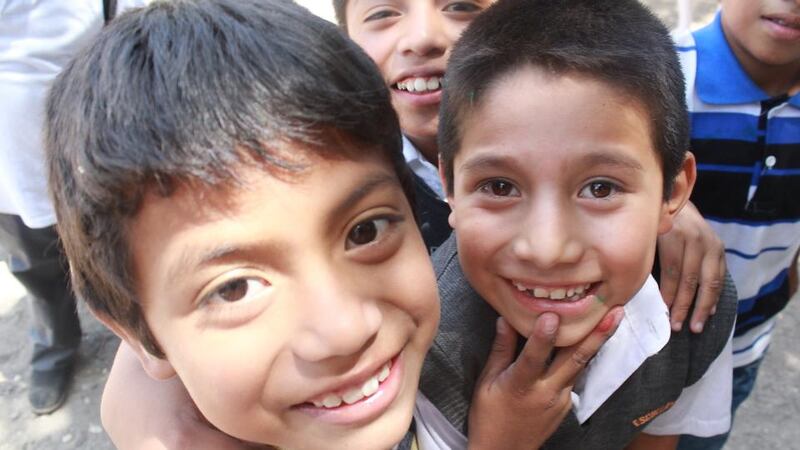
[370, 387]
[367, 389]
[331, 401]
[571, 293]
[420, 84]
[352, 396]
[384, 373]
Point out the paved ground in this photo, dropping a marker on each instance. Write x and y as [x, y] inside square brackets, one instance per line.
[768, 420]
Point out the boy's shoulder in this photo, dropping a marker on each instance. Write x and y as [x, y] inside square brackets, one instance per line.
[456, 357]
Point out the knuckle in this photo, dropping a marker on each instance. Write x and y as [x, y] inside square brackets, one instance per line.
[690, 281]
[580, 358]
[714, 284]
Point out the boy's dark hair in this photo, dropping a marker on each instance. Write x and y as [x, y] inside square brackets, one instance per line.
[183, 92]
[618, 42]
[340, 9]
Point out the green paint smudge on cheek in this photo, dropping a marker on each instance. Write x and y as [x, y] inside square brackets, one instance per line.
[600, 299]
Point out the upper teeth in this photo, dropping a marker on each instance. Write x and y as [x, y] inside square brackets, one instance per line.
[569, 293]
[352, 395]
[416, 84]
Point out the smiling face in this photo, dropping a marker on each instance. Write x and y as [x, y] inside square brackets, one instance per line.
[763, 34]
[410, 41]
[557, 200]
[297, 311]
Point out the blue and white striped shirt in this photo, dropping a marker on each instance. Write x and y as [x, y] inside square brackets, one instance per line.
[747, 146]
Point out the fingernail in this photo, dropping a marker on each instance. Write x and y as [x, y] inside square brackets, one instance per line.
[550, 323]
[713, 310]
[697, 327]
[677, 325]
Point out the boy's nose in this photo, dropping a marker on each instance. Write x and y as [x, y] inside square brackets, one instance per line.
[335, 319]
[547, 237]
[424, 34]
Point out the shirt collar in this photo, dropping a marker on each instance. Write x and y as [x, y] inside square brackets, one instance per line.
[643, 332]
[422, 168]
[721, 80]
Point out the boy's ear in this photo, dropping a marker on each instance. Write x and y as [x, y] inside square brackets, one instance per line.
[447, 193]
[681, 190]
[156, 368]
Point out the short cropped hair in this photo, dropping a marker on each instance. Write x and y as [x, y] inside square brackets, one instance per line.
[184, 92]
[618, 42]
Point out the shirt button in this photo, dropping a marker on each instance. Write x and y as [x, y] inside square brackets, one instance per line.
[770, 161]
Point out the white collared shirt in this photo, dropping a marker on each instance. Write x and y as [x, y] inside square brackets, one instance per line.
[702, 409]
[422, 167]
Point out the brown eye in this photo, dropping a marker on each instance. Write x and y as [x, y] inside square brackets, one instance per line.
[233, 291]
[237, 290]
[600, 190]
[367, 232]
[499, 188]
[363, 233]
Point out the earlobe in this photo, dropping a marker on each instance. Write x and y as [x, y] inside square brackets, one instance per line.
[681, 190]
[157, 368]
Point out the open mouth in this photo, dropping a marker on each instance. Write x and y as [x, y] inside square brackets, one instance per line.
[419, 85]
[361, 392]
[567, 294]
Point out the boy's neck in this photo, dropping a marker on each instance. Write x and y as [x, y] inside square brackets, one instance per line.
[774, 80]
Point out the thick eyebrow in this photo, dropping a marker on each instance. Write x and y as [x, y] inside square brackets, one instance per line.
[488, 161]
[192, 259]
[370, 184]
[611, 158]
[594, 158]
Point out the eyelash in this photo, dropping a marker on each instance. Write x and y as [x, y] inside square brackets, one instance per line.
[239, 310]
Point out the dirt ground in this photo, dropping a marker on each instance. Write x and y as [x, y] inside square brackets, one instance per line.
[767, 420]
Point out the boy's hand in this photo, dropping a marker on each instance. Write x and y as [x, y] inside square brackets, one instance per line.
[691, 254]
[520, 404]
[140, 413]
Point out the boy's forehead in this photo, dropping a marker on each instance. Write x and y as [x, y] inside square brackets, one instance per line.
[578, 117]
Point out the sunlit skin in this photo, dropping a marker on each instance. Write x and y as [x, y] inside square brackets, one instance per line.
[765, 37]
[408, 39]
[267, 296]
[559, 188]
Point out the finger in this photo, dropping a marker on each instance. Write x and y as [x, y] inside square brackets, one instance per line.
[670, 256]
[713, 278]
[687, 287]
[532, 362]
[570, 361]
[502, 352]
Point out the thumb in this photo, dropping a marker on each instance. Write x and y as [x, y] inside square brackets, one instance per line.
[502, 352]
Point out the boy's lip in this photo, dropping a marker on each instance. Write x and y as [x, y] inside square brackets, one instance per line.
[353, 380]
[564, 308]
[365, 409]
[417, 99]
[784, 26]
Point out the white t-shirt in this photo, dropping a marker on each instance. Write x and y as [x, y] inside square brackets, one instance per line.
[37, 38]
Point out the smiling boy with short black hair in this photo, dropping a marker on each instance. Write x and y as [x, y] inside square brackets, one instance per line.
[563, 137]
